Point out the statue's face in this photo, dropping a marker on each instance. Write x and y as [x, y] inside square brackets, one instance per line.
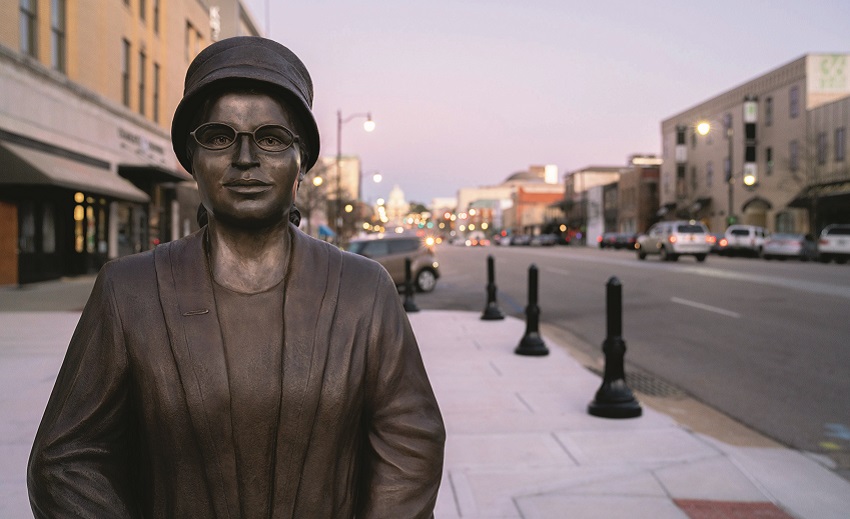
[243, 184]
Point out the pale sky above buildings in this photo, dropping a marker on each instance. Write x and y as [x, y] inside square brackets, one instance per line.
[466, 92]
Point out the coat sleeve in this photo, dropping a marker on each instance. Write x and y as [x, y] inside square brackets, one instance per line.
[406, 435]
[79, 462]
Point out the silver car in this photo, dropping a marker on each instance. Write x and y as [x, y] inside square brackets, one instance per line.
[673, 239]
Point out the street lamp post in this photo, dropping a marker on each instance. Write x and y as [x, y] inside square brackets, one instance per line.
[703, 128]
[369, 125]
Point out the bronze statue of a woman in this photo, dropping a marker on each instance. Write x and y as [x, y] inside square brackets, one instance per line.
[246, 370]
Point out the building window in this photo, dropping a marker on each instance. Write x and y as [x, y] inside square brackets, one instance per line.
[709, 174]
[57, 34]
[693, 138]
[156, 92]
[693, 178]
[142, 6]
[840, 144]
[681, 187]
[768, 111]
[821, 150]
[193, 41]
[125, 73]
[727, 123]
[142, 63]
[768, 157]
[794, 101]
[794, 152]
[156, 16]
[29, 36]
[680, 135]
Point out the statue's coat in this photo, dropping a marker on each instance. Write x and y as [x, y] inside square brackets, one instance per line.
[139, 422]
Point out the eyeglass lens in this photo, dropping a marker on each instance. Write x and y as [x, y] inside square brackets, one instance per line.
[218, 136]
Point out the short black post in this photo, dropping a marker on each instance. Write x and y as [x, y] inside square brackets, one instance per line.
[409, 304]
[532, 343]
[614, 399]
[492, 312]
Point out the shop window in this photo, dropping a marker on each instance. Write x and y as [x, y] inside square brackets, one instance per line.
[57, 34]
[785, 222]
[840, 144]
[48, 229]
[26, 215]
[91, 229]
[28, 27]
[79, 231]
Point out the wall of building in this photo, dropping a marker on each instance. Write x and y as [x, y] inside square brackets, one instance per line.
[782, 143]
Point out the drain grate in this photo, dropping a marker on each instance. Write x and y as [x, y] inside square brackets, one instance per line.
[648, 384]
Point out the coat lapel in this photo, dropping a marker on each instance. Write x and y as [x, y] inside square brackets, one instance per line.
[311, 294]
[188, 304]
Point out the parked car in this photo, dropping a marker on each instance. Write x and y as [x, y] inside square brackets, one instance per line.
[834, 243]
[790, 246]
[718, 242]
[607, 240]
[520, 239]
[391, 251]
[625, 240]
[745, 239]
[544, 240]
[673, 239]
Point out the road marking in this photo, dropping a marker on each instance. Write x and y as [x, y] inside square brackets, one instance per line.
[709, 308]
[557, 271]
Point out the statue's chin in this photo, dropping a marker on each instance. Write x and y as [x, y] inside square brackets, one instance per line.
[251, 222]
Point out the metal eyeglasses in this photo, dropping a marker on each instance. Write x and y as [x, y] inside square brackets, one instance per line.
[220, 136]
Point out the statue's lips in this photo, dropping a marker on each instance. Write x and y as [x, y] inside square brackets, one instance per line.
[247, 186]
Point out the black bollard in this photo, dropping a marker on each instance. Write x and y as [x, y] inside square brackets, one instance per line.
[614, 399]
[492, 312]
[409, 304]
[531, 343]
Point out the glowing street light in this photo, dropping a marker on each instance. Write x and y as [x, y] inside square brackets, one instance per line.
[369, 126]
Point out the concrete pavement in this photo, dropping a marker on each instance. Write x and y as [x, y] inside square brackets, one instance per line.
[520, 442]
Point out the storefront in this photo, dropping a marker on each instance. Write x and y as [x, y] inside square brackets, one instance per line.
[66, 208]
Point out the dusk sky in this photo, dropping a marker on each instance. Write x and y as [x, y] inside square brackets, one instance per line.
[466, 92]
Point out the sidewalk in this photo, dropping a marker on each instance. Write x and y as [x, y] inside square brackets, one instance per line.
[520, 442]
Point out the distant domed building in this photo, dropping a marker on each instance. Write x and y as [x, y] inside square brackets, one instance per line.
[397, 207]
[533, 176]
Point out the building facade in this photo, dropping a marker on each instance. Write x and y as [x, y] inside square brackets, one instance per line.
[86, 167]
[746, 155]
[582, 204]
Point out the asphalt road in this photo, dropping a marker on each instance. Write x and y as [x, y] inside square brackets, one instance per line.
[765, 342]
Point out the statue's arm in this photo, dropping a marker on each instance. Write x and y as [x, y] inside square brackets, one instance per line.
[406, 438]
[78, 465]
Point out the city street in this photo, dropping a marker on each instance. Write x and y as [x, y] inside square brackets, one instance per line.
[764, 342]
